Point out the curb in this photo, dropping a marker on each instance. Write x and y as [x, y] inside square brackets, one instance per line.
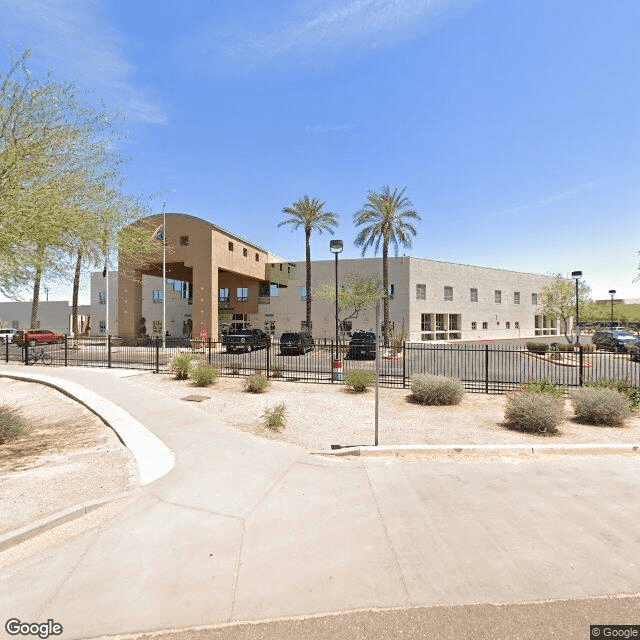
[16, 536]
[483, 449]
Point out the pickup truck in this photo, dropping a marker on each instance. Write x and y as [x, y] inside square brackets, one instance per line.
[246, 340]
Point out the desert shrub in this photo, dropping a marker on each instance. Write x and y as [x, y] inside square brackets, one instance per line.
[436, 390]
[625, 387]
[359, 379]
[182, 364]
[600, 406]
[274, 417]
[537, 347]
[12, 424]
[204, 374]
[534, 412]
[544, 386]
[563, 347]
[277, 370]
[256, 383]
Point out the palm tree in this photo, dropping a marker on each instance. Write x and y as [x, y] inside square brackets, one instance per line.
[385, 218]
[310, 214]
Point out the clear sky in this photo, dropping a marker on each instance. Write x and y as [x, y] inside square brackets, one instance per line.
[514, 124]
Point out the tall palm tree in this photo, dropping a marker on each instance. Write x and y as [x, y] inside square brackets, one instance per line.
[384, 219]
[309, 213]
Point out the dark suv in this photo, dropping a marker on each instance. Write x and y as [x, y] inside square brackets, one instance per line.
[243, 340]
[362, 346]
[617, 341]
[296, 344]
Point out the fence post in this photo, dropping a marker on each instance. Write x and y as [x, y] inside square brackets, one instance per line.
[209, 350]
[109, 351]
[26, 353]
[581, 365]
[486, 368]
[6, 343]
[331, 358]
[66, 351]
[404, 364]
[157, 355]
[268, 357]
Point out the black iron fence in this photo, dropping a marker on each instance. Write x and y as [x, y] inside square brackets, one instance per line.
[484, 368]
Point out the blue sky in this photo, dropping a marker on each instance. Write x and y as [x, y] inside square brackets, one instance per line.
[514, 125]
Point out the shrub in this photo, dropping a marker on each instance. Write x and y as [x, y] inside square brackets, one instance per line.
[277, 370]
[274, 417]
[600, 406]
[12, 424]
[537, 347]
[204, 375]
[359, 379]
[256, 383]
[625, 387]
[587, 348]
[436, 390]
[563, 347]
[182, 364]
[545, 386]
[535, 412]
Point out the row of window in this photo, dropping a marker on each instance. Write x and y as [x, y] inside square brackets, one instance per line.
[242, 293]
[245, 251]
[421, 294]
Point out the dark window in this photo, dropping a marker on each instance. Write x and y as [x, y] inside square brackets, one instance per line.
[184, 241]
[231, 246]
[245, 253]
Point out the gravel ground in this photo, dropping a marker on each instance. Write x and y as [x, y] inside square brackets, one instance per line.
[319, 415]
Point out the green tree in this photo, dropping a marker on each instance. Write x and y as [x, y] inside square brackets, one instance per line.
[355, 294]
[385, 220]
[309, 214]
[558, 301]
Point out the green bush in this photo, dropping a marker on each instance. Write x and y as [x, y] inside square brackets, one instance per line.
[12, 424]
[359, 379]
[277, 370]
[545, 386]
[256, 383]
[436, 390]
[563, 347]
[625, 387]
[600, 406]
[274, 417]
[537, 347]
[534, 412]
[182, 364]
[204, 374]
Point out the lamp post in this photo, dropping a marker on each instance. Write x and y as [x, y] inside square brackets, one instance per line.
[336, 247]
[612, 292]
[577, 275]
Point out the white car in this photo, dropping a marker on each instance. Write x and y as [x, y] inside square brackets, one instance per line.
[8, 335]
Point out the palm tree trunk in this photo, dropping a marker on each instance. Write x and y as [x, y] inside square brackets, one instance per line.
[308, 258]
[74, 295]
[35, 305]
[385, 285]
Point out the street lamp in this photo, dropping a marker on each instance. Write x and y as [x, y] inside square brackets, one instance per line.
[336, 247]
[612, 292]
[577, 275]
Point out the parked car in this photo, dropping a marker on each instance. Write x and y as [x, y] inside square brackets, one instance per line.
[8, 335]
[362, 346]
[296, 344]
[39, 336]
[617, 341]
[246, 340]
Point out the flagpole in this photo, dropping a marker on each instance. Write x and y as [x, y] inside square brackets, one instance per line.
[164, 273]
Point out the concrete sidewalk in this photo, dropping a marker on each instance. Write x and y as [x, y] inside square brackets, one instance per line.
[244, 528]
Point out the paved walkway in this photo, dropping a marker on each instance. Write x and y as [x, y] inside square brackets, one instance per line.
[244, 528]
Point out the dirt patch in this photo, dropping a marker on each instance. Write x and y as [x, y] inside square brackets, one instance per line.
[66, 456]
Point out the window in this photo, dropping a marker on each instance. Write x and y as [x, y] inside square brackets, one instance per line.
[516, 297]
[102, 297]
[534, 299]
[485, 325]
[157, 326]
[224, 294]
[103, 326]
[439, 321]
[257, 257]
[454, 324]
[231, 246]
[274, 291]
[392, 291]
[507, 325]
[242, 294]
[158, 296]
[346, 325]
[245, 253]
[473, 295]
[516, 325]
[474, 326]
[303, 292]
[498, 295]
[421, 292]
[425, 322]
[184, 241]
[448, 294]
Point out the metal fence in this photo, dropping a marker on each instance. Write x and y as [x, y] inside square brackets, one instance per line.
[483, 368]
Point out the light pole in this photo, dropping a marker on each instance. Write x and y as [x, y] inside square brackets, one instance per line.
[336, 247]
[612, 292]
[577, 275]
